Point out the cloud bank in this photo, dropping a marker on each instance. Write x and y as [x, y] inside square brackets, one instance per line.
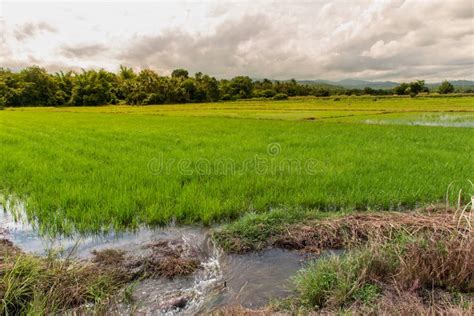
[378, 40]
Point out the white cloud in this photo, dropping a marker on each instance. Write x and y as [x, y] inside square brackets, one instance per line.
[381, 49]
[398, 40]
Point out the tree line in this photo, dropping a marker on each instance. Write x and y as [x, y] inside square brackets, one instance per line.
[34, 86]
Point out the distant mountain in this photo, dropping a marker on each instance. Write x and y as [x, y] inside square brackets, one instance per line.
[464, 84]
[360, 84]
[354, 83]
[322, 84]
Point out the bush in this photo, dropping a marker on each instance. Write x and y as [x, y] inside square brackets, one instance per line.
[226, 97]
[321, 92]
[280, 96]
[267, 93]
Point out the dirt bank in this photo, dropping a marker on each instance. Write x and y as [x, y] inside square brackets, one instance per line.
[340, 232]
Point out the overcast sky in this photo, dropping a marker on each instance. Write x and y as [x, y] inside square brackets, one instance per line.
[375, 40]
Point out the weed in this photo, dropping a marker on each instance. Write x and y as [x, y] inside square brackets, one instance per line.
[333, 281]
[366, 294]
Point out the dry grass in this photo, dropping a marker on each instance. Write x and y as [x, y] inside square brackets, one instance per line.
[354, 230]
[164, 258]
[408, 303]
[437, 262]
[170, 267]
[35, 285]
[108, 257]
[414, 264]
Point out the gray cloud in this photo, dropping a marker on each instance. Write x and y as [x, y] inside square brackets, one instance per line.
[83, 50]
[392, 39]
[232, 47]
[463, 10]
[30, 30]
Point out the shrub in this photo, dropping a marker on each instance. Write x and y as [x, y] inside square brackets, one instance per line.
[267, 93]
[280, 96]
[226, 97]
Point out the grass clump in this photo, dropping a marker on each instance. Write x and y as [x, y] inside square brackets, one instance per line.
[335, 281]
[378, 275]
[34, 285]
[252, 231]
[255, 231]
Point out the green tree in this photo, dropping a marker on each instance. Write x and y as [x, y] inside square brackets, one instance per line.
[37, 86]
[207, 88]
[446, 87]
[64, 83]
[239, 87]
[401, 89]
[412, 88]
[94, 88]
[148, 88]
[417, 86]
[368, 90]
[10, 90]
[180, 73]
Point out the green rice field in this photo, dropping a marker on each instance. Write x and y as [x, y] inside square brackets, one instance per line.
[90, 169]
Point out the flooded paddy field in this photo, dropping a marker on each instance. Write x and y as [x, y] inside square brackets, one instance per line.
[459, 119]
[124, 167]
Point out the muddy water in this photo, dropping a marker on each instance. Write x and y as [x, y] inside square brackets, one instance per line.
[250, 280]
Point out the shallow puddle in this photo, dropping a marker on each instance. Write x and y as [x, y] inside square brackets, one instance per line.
[462, 120]
[250, 280]
[24, 236]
